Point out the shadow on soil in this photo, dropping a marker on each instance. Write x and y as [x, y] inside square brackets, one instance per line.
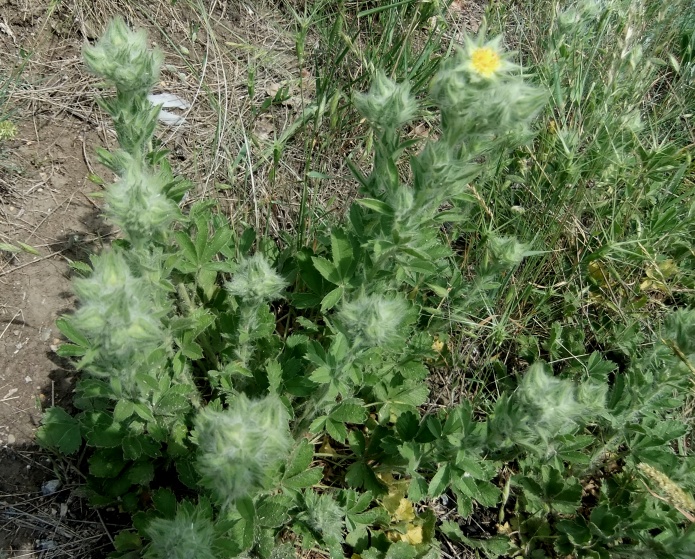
[43, 511]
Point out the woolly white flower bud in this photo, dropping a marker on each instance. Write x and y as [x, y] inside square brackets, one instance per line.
[138, 203]
[119, 314]
[256, 280]
[185, 536]
[388, 105]
[123, 57]
[375, 320]
[241, 446]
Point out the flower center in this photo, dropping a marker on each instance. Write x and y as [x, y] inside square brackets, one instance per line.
[485, 61]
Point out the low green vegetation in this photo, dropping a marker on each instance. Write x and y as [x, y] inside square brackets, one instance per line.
[247, 396]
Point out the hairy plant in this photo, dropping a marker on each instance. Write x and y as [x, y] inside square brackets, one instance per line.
[236, 394]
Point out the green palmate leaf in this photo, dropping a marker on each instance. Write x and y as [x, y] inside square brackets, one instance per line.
[127, 541]
[440, 481]
[59, 431]
[123, 410]
[136, 446]
[106, 463]
[341, 250]
[207, 278]
[175, 400]
[484, 492]
[143, 411]
[274, 372]
[399, 398]
[474, 466]
[219, 240]
[421, 266]
[187, 247]
[305, 300]
[360, 475]
[408, 425]
[375, 205]
[351, 410]
[273, 511]
[321, 375]
[69, 331]
[197, 321]
[332, 298]
[307, 478]
[300, 459]
[164, 501]
[191, 349]
[248, 237]
[202, 225]
[146, 382]
[336, 430]
[141, 473]
[100, 429]
[93, 388]
[326, 269]
[356, 502]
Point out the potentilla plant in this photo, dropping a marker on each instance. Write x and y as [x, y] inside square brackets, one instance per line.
[226, 427]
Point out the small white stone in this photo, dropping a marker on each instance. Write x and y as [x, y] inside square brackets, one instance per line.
[11, 439]
[49, 487]
[27, 379]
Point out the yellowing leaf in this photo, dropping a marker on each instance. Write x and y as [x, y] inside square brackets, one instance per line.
[397, 492]
[386, 478]
[597, 273]
[326, 448]
[413, 536]
[437, 345]
[668, 268]
[405, 511]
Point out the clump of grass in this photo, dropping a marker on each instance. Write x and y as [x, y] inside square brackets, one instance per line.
[605, 188]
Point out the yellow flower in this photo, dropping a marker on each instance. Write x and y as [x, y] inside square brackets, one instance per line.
[437, 345]
[485, 61]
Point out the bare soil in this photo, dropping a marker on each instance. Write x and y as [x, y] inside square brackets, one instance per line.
[47, 201]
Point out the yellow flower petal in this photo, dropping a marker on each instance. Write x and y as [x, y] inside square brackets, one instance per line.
[485, 61]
